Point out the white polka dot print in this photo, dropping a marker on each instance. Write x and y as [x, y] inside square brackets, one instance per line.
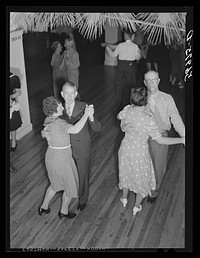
[136, 171]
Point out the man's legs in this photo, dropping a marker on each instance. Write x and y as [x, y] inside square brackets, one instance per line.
[119, 83]
[158, 154]
[130, 73]
[84, 168]
[73, 76]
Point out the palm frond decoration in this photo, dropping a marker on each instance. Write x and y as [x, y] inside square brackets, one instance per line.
[169, 24]
[91, 25]
[40, 21]
[122, 20]
[21, 21]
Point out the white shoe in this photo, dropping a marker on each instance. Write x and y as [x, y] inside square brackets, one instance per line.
[124, 201]
[136, 210]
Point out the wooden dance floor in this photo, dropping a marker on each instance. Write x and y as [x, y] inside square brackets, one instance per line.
[104, 223]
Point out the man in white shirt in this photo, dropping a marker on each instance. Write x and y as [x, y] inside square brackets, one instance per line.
[163, 107]
[128, 53]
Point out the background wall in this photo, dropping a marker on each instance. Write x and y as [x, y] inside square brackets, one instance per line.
[17, 66]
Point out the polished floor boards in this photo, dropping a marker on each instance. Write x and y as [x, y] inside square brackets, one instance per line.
[104, 223]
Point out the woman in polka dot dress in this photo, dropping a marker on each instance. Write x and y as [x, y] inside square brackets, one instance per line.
[61, 168]
[136, 172]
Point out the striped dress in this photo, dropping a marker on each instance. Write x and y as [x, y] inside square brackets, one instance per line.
[61, 168]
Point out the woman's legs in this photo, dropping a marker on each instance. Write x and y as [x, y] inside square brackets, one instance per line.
[138, 200]
[125, 193]
[123, 199]
[48, 196]
[65, 203]
[13, 138]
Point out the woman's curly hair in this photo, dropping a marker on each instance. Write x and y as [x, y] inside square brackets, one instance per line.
[50, 105]
[139, 96]
[55, 45]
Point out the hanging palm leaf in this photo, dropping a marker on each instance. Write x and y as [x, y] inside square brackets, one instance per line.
[169, 25]
[91, 25]
[21, 21]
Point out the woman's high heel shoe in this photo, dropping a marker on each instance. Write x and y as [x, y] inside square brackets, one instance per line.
[124, 201]
[41, 210]
[136, 210]
[70, 215]
[13, 148]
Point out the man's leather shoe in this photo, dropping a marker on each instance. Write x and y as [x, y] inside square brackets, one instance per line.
[151, 199]
[81, 206]
[70, 215]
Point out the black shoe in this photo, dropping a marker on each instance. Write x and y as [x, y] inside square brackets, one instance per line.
[13, 148]
[41, 210]
[81, 206]
[70, 215]
[151, 199]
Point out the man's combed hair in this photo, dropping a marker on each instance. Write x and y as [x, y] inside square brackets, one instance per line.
[50, 105]
[139, 96]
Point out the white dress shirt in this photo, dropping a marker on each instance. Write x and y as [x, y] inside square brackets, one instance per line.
[71, 107]
[126, 50]
[166, 112]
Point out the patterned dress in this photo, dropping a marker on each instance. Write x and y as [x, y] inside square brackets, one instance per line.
[136, 170]
[60, 165]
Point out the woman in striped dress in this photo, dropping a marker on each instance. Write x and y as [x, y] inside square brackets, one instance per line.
[61, 168]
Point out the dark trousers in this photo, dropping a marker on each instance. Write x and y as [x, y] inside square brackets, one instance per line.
[158, 153]
[84, 169]
[124, 81]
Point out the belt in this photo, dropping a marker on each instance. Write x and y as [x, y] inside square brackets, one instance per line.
[129, 62]
[59, 148]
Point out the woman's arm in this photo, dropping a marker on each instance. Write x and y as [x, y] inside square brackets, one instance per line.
[170, 140]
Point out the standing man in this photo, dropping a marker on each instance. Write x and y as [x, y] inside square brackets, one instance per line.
[128, 53]
[81, 142]
[163, 107]
[70, 62]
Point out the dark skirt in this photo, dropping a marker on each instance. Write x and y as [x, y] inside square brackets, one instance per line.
[15, 121]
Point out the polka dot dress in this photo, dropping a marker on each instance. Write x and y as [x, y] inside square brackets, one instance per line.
[136, 170]
[60, 165]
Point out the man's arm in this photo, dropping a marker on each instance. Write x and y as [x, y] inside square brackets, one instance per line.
[114, 53]
[176, 119]
[73, 61]
[138, 54]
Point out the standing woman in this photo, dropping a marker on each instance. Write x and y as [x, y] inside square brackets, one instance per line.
[15, 118]
[61, 168]
[58, 74]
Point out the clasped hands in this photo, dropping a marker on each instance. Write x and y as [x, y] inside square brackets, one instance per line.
[89, 110]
